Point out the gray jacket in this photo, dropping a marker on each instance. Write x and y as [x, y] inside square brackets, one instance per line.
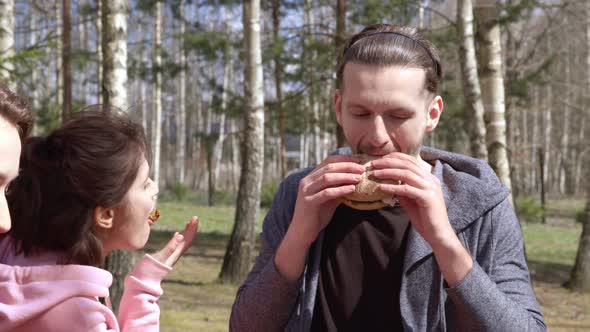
[496, 295]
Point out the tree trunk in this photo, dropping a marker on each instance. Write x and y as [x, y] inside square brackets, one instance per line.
[566, 183]
[492, 84]
[240, 250]
[580, 277]
[279, 86]
[86, 99]
[547, 124]
[339, 41]
[580, 154]
[66, 63]
[7, 43]
[208, 144]
[470, 77]
[119, 264]
[114, 48]
[58, 57]
[114, 51]
[99, 61]
[235, 152]
[310, 59]
[35, 93]
[157, 114]
[181, 114]
[227, 77]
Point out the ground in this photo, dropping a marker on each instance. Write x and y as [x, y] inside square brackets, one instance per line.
[195, 301]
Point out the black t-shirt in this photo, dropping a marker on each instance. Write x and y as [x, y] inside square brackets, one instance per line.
[361, 270]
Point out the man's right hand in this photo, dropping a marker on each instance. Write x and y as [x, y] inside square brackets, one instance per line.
[318, 196]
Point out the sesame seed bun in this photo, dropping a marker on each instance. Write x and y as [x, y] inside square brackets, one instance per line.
[367, 195]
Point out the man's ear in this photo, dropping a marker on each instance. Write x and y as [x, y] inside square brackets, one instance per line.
[434, 111]
[103, 217]
[338, 106]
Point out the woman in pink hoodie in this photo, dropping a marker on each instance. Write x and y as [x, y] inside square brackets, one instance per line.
[82, 192]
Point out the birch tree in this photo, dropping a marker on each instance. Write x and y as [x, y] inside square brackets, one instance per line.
[240, 250]
[7, 42]
[312, 105]
[114, 50]
[218, 147]
[99, 61]
[157, 94]
[278, 76]
[339, 42]
[580, 276]
[66, 60]
[181, 114]
[114, 92]
[470, 78]
[492, 87]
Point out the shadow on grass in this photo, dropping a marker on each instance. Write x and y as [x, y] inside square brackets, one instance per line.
[183, 282]
[555, 273]
[205, 245]
[216, 240]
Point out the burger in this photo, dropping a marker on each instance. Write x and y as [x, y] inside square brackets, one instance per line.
[367, 195]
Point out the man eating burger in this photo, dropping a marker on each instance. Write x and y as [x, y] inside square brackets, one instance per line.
[448, 257]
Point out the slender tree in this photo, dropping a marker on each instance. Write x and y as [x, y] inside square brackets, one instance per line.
[114, 92]
[240, 250]
[339, 42]
[157, 94]
[580, 276]
[470, 78]
[99, 33]
[278, 75]
[114, 51]
[181, 115]
[7, 42]
[492, 86]
[66, 59]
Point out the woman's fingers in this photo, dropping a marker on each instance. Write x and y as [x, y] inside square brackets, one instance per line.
[190, 230]
[178, 244]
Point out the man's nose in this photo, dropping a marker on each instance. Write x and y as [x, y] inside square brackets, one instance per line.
[378, 135]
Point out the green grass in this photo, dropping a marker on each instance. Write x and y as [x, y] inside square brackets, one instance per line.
[212, 219]
[551, 244]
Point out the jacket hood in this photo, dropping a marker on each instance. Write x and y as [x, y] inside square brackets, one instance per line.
[470, 186]
[28, 291]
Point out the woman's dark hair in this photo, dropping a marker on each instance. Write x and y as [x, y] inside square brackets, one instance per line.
[16, 111]
[91, 161]
[390, 45]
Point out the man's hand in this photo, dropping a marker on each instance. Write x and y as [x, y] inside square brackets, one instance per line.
[318, 196]
[320, 192]
[179, 243]
[422, 199]
[420, 195]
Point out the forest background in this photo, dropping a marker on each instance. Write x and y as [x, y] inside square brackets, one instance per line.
[234, 95]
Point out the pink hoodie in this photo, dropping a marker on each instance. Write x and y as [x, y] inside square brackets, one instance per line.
[38, 295]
